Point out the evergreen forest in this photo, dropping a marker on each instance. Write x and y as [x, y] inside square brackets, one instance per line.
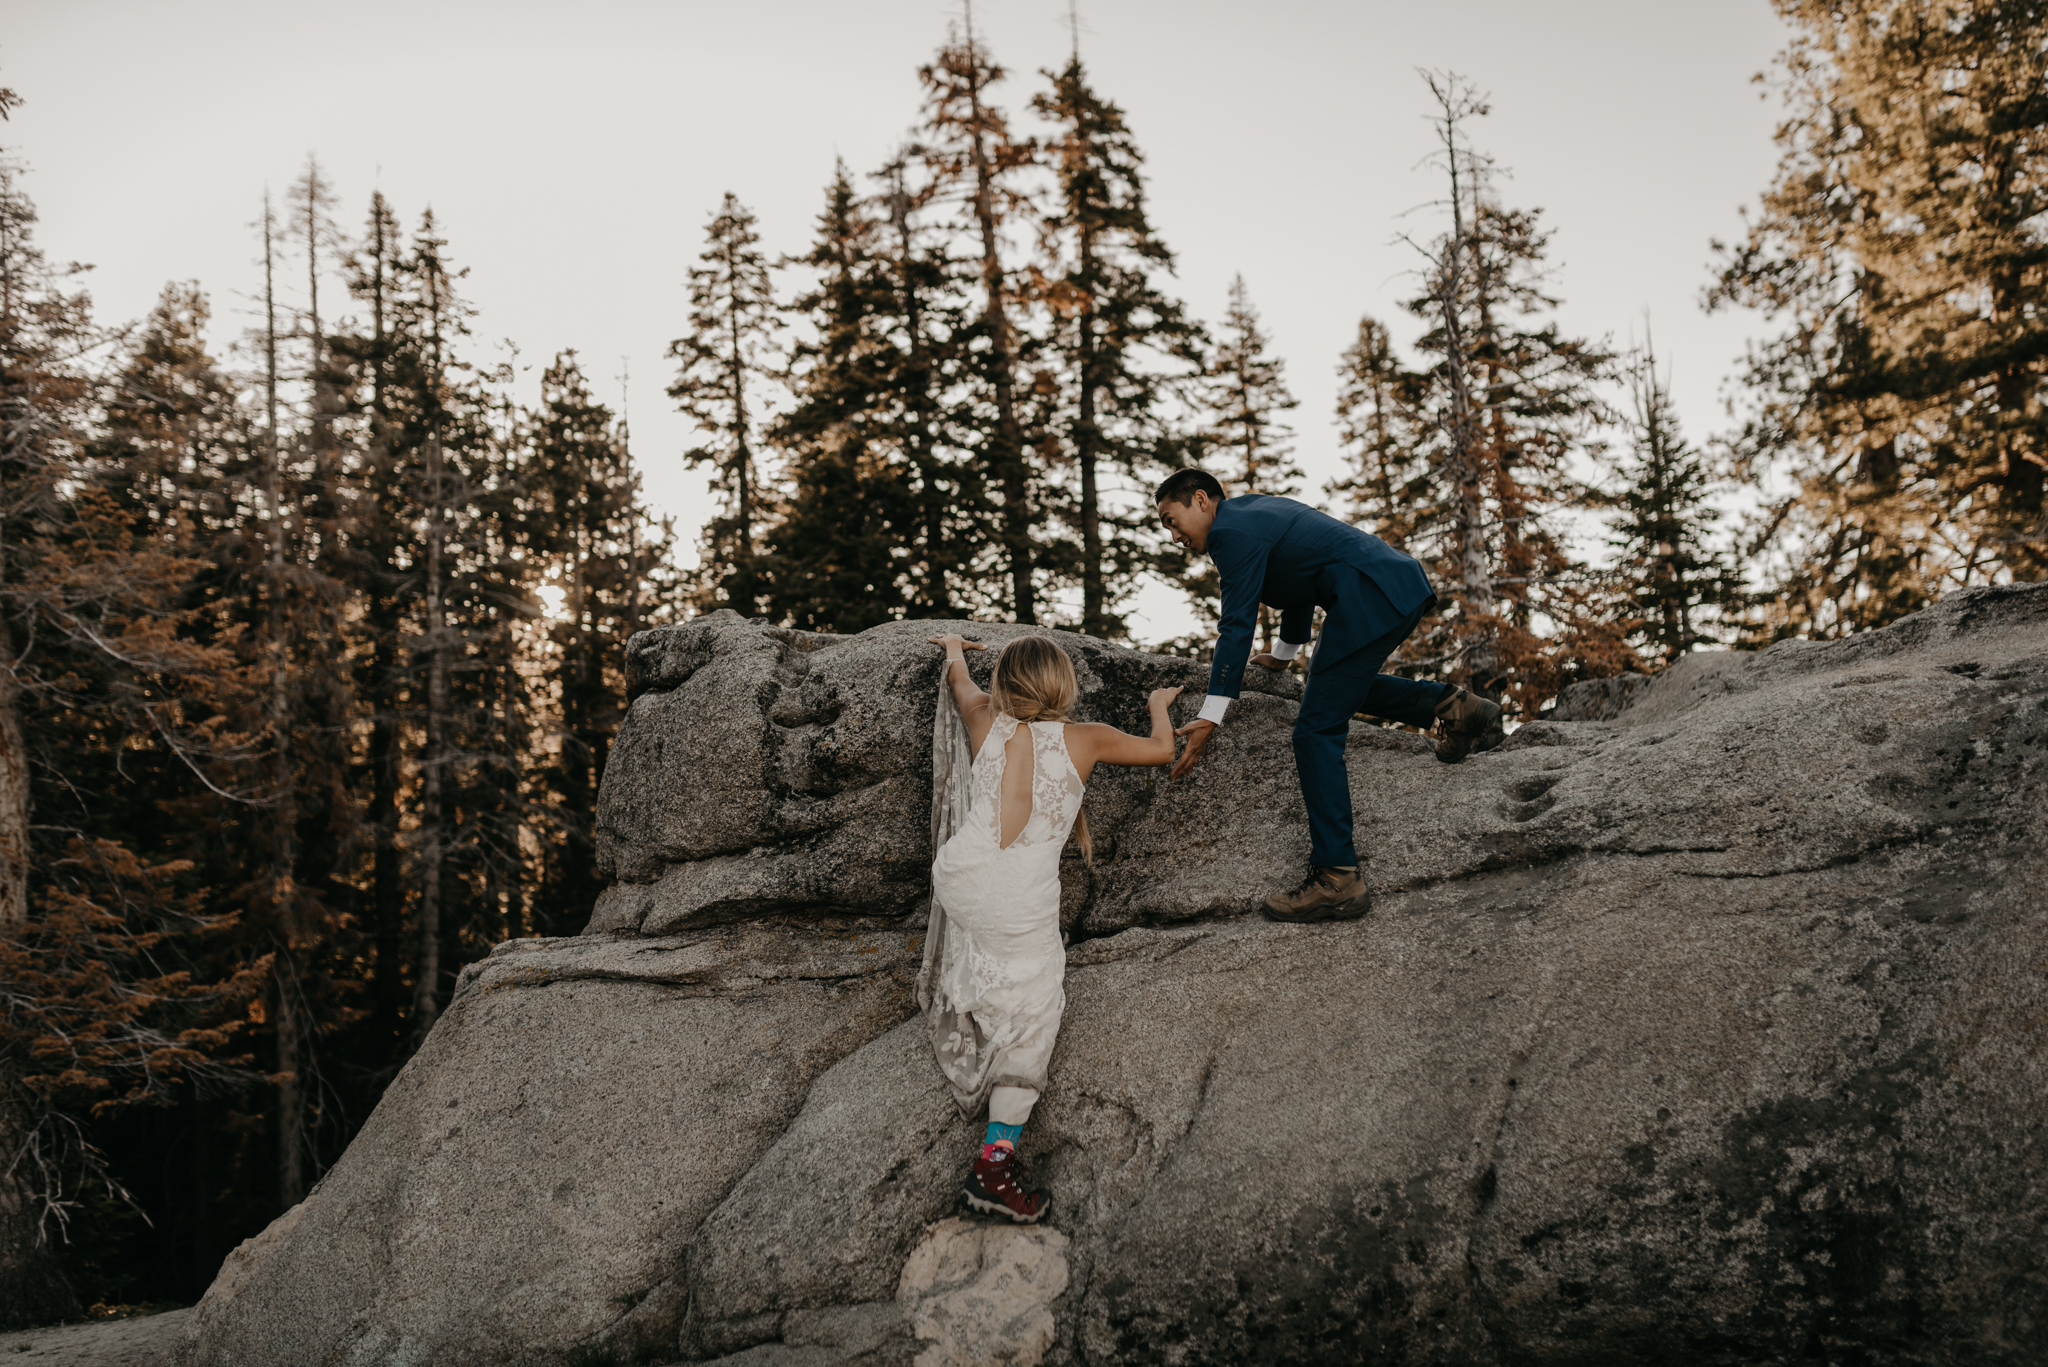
[312, 641]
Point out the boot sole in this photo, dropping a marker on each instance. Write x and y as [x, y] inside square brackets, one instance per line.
[1336, 911]
[984, 1206]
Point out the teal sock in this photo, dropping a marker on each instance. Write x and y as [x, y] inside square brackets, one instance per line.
[999, 1133]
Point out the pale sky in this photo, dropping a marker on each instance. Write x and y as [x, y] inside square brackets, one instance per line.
[573, 153]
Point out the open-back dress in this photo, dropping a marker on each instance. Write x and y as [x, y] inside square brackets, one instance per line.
[993, 959]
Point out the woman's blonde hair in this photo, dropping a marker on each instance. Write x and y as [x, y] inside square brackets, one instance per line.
[1035, 681]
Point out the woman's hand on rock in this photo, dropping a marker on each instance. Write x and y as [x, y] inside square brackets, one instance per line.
[954, 643]
[1161, 697]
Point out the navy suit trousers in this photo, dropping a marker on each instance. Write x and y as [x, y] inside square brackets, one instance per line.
[1335, 692]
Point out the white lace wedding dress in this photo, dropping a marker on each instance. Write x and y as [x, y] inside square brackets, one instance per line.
[993, 960]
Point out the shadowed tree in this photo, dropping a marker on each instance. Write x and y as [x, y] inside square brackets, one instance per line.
[374, 561]
[1670, 575]
[972, 156]
[100, 691]
[929, 326]
[1511, 402]
[722, 384]
[1388, 486]
[1124, 344]
[602, 551]
[1245, 435]
[843, 556]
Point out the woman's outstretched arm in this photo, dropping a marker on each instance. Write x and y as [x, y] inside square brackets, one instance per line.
[974, 705]
[1092, 743]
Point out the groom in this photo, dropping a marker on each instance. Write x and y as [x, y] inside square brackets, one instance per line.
[1291, 557]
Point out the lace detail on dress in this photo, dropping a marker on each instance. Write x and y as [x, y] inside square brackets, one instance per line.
[991, 983]
[1056, 788]
[985, 788]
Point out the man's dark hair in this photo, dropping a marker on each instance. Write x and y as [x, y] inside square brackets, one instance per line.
[1182, 485]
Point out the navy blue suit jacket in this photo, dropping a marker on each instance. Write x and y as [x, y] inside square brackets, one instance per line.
[1291, 557]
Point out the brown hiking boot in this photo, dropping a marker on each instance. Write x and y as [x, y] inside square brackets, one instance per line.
[996, 1187]
[1326, 895]
[1465, 722]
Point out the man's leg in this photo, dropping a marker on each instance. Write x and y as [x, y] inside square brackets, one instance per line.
[1333, 890]
[1321, 728]
[1336, 691]
[1412, 702]
[1333, 696]
[1463, 721]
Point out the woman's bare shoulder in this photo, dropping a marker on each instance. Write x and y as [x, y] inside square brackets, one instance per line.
[1089, 733]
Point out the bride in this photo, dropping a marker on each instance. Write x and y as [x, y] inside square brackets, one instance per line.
[993, 960]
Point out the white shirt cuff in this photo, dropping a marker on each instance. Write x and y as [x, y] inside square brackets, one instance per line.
[1212, 709]
[1285, 650]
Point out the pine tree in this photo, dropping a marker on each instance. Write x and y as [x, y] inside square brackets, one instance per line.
[437, 317]
[380, 513]
[98, 686]
[312, 224]
[194, 474]
[312, 711]
[1897, 245]
[169, 414]
[929, 328]
[722, 385]
[841, 556]
[1124, 340]
[1247, 394]
[42, 404]
[601, 553]
[1668, 568]
[1511, 400]
[971, 154]
[281, 896]
[1244, 436]
[1389, 487]
[499, 547]
[471, 593]
[438, 590]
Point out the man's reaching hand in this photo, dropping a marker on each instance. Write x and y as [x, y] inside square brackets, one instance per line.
[1197, 733]
[1272, 661]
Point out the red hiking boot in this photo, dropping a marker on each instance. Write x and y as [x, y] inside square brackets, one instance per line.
[996, 1187]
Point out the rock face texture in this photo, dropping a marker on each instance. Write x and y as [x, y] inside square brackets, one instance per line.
[767, 772]
[1705, 1022]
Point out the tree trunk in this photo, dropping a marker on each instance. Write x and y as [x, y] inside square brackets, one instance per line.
[1093, 605]
[291, 1171]
[426, 1002]
[1467, 478]
[938, 598]
[1009, 454]
[387, 874]
[1463, 466]
[14, 798]
[36, 1291]
[387, 877]
[744, 477]
[433, 833]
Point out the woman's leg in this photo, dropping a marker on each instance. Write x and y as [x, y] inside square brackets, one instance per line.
[1008, 1109]
[997, 1184]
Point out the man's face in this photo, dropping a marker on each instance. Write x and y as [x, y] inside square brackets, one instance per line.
[1188, 523]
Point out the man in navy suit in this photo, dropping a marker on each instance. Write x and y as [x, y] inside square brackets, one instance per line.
[1289, 556]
